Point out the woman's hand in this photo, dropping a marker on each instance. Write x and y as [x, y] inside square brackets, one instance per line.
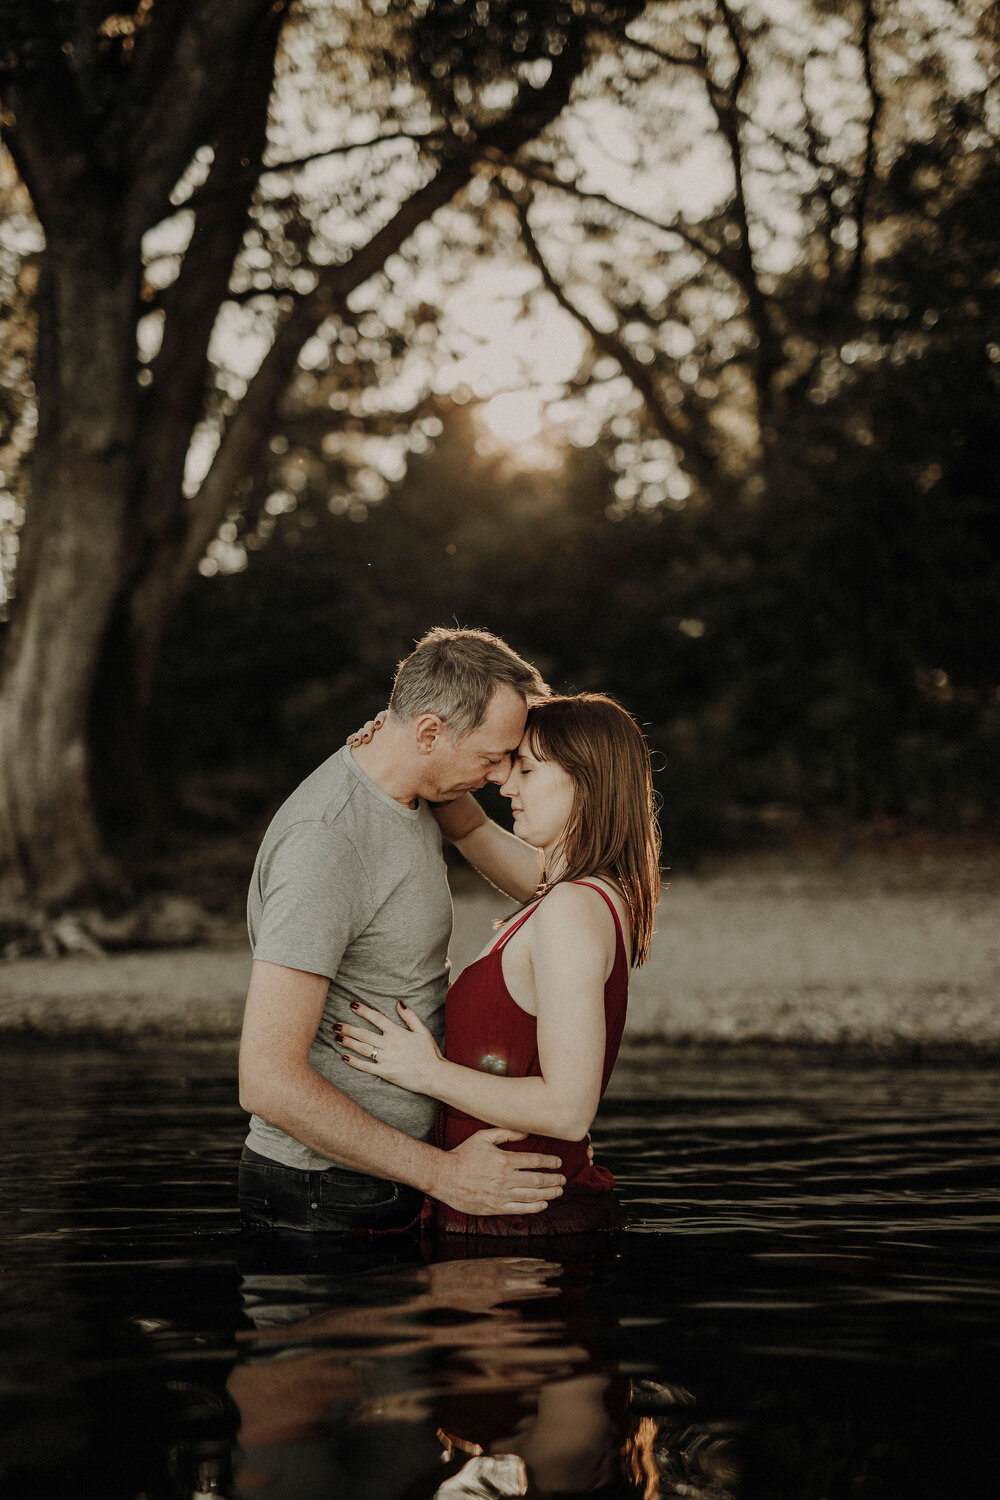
[407, 1056]
[365, 735]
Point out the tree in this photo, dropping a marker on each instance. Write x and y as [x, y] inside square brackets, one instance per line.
[790, 567]
[114, 119]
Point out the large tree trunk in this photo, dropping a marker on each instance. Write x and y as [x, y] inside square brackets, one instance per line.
[69, 569]
[128, 789]
[100, 133]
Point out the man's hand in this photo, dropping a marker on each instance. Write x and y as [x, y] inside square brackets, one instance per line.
[478, 1178]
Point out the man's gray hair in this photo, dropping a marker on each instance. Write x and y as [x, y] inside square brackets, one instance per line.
[454, 674]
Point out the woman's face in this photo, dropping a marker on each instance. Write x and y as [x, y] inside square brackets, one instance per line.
[541, 797]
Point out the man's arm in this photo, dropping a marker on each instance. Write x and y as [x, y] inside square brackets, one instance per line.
[505, 860]
[282, 1016]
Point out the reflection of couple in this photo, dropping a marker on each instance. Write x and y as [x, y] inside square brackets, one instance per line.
[350, 919]
[467, 1378]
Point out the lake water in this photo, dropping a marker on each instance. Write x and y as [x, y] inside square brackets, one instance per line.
[805, 1306]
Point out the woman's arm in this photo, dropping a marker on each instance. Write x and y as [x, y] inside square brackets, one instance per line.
[572, 946]
[505, 860]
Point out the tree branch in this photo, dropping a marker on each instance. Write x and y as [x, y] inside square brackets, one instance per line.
[650, 48]
[236, 181]
[715, 253]
[724, 100]
[251, 293]
[248, 431]
[252, 422]
[191, 303]
[739, 47]
[668, 422]
[868, 165]
[44, 127]
[209, 58]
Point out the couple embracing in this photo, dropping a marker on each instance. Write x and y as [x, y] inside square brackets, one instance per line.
[378, 1092]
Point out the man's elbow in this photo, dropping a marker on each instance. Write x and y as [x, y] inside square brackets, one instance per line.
[250, 1096]
[259, 1093]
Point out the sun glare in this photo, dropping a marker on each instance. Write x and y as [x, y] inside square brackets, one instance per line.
[514, 416]
[516, 427]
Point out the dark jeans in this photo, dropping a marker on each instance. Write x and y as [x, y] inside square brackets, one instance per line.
[330, 1201]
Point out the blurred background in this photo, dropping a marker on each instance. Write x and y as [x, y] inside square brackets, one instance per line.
[662, 339]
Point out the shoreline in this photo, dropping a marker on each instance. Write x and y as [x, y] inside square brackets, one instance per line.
[859, 960]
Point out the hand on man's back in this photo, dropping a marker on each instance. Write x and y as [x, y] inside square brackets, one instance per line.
[478, 1177]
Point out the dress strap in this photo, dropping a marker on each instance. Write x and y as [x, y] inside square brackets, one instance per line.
[611, 905]
[504, 938]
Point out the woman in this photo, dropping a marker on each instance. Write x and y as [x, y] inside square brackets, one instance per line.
[533, 1026]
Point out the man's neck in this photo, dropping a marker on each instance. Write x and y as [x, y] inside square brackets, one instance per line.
[385, 761]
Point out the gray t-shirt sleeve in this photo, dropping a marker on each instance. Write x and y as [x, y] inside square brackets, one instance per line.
[316, 899]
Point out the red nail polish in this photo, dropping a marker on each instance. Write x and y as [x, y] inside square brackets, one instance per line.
[354, 1005]
[344, 1057]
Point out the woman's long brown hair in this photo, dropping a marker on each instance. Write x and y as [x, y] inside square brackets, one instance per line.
[612, 829]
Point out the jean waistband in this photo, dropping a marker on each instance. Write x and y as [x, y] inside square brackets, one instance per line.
[253, 1158]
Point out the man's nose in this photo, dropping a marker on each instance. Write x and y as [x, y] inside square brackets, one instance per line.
[500, 774]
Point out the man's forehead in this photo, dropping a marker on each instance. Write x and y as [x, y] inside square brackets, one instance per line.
[506, 709]
[502, 727]
[493, 741]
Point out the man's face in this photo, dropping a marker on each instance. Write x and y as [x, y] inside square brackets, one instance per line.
[455, 766]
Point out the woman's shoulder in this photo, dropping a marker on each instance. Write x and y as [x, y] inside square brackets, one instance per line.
[576, 907]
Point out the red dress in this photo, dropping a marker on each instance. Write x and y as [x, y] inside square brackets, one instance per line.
[487, 1030]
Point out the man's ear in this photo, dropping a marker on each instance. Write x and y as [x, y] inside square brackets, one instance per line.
[428, 727]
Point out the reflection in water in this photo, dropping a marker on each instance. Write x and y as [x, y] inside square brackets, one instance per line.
[468, 1377]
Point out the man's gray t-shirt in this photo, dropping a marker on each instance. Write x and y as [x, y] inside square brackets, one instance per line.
[351, 884]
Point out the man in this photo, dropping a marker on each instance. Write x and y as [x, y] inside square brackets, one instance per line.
[349, 902]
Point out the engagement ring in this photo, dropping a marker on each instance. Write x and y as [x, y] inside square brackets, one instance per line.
[374, 1054]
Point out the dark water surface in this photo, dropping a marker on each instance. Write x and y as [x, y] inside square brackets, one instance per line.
[806, 1307]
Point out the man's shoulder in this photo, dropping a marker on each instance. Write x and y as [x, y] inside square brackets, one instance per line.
[323, 795]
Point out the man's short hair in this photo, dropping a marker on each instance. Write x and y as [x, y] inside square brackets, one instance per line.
[455, 673]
